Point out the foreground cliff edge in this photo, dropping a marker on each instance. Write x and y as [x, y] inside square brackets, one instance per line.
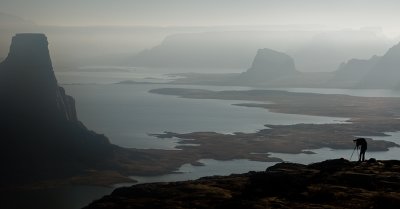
[335, 183]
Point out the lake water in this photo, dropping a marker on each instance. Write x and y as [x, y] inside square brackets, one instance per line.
[215, 167]
[327, 153]
[127, 114]
[351, 92]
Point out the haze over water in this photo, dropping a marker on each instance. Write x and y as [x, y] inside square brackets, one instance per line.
[128, 113]
[92, 42]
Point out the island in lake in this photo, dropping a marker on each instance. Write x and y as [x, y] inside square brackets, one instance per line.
[367, 117]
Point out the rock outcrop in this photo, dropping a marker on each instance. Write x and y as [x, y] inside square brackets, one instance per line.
[385, 73]
[269, 65]
[351, 73]
[330, 184]
[41, 135]
[28, 84]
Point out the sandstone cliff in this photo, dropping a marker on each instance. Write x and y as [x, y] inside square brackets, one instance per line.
[28, 82]
[41, 136]
[269, 65]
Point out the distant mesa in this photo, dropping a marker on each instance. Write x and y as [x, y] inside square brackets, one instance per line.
[378, 72]
[42, 137]
[351, 73]
[269, 68]
[233, 49]
[269, 65]
[385, 74]
[196, 51]
[276, 69]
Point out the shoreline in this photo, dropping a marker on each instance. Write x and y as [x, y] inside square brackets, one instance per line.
[367, 117]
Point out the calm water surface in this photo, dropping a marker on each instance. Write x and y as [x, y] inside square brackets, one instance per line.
[127, 114]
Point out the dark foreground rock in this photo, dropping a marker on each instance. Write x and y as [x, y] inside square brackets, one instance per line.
[330, 184]
[41, 136]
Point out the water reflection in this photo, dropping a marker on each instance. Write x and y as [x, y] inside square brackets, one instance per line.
[328, 153]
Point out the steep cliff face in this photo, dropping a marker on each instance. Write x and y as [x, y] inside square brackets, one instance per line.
[269, 65]
[41, 135]
[28, 83]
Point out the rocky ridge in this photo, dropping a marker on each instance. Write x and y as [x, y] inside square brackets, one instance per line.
[335, 183]
[384, 74]
[351, 73]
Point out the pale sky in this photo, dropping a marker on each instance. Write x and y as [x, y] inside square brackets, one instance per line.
[340, 13]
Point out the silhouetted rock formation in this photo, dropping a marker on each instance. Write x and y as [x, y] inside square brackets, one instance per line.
[385, 73]
[351, 73]
[313, 50]
[41, 135]
[196, 51]
[269, 65]
[329, 184]
[268, 69]
[28, 83]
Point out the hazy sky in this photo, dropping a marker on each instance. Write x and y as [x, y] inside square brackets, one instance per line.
[338, 13]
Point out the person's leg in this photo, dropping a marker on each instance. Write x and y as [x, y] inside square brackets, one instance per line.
[363, 154]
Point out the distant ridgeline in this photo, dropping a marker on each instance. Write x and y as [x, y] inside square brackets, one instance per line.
[41, 136]
[271, 68]
[275, 69]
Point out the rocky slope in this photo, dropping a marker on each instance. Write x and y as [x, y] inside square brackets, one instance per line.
[378, 72]
[330, 184]
[351, 73]
[385, 73]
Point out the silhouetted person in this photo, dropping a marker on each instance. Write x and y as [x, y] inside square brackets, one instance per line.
[361, 144]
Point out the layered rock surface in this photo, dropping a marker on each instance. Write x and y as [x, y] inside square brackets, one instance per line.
[330, 184]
